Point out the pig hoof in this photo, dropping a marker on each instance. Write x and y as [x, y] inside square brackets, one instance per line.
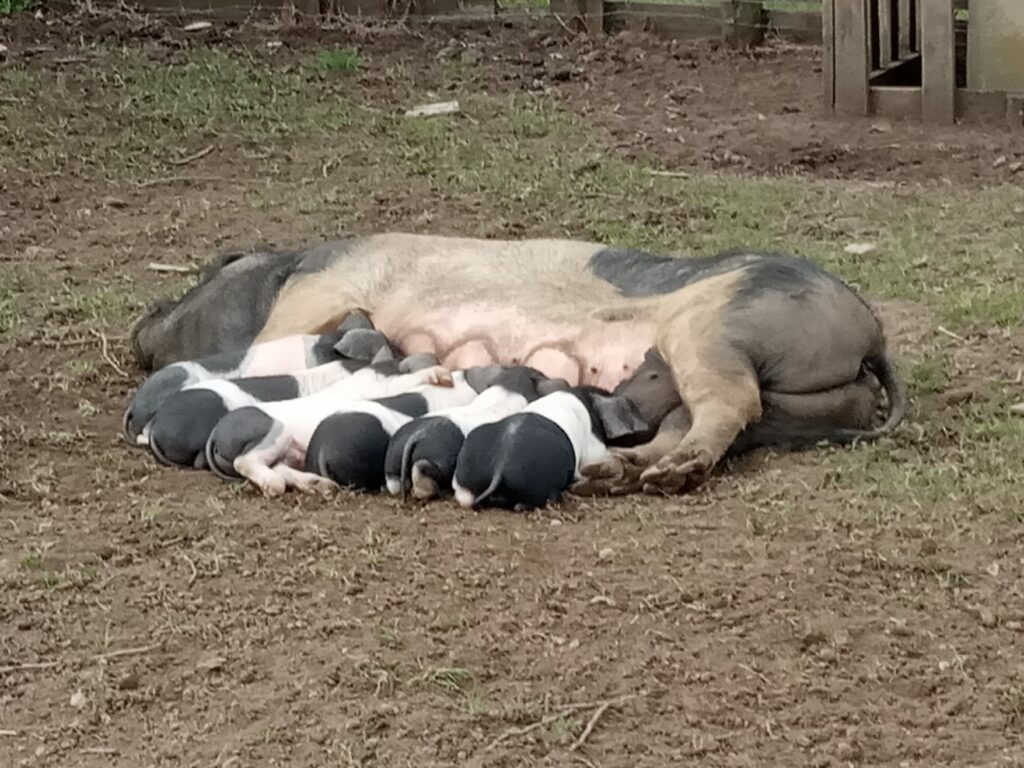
[320, 485]
[439, 376]
[678, 471]
[273, 488]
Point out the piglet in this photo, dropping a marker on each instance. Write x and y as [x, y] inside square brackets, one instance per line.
[528, 459]
[179, 430]
[422, 453]
[268, 443]
[271, 358]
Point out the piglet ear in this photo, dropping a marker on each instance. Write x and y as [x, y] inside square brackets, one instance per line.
[384, 355]
[548, 386]
[356, 319]
[480, 377]
[361, 344]
[414, 363]
[619, 418]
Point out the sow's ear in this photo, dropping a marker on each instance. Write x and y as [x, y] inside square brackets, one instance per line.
[619, 417]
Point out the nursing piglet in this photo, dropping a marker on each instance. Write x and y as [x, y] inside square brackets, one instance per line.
[349, 448]
[528, 459]
[422, 454]
[354, 339]
[179, 430]
[268, 443]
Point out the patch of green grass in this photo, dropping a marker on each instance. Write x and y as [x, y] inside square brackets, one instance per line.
[33, 561]
[105, 307]
[10, 7]
[925, 377]
[338, 60]
[9, 315]
[449, 678]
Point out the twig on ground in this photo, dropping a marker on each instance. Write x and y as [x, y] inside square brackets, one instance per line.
[125, 652]
[951, 335]
[182, 269]
[593, 721]
[8, 733]
[105, 352]
[71, 60]
[754, 672]
[602, 706]
[193, 157]
[192, 566]
[160, 180]
[670, 174]
[28, 665]
[99, 751]
[562, 24]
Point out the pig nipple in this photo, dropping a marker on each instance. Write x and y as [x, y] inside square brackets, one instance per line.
[593, 369]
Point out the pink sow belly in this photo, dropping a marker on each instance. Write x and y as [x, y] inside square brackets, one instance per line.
[601, 354]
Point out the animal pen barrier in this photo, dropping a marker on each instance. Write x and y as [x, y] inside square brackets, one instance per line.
[937, 59]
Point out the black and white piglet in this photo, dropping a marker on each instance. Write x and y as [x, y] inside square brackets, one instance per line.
[269, 443]
[422, 454]
[354, 339]
[528, 459]
[179, 430]
[352, 448]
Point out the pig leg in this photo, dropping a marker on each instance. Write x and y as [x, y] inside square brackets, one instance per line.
[308, 303]
[619, 472]
[256, 464]
[305, 482]
[715, 378]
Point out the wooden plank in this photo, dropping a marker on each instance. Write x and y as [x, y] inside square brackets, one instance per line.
[852, 59]
[1015, 111]
[674, 22]
[917, 25]
[904, 30]
[938, 62]
[828, 55]
[797, 26]
[895, 103]
[742, 23]
[884, 33]
[595, 17]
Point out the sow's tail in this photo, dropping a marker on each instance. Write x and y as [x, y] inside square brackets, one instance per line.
[783, 432]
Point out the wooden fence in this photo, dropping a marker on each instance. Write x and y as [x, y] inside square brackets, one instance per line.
[739, 23]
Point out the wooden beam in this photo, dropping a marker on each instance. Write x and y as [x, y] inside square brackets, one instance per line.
[938, 62]
[884, 33]
[742, 23]
[1015, 111]
[852, 59]
[595, 17]
[895, 103]
[904, 30]
[828, 55]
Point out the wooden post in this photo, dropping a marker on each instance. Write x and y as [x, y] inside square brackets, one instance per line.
[595, 17]
[938, 62]
[904, 29]
[742, 23]
[828, 55]
[1015, 111]
[884, 33]
[852, 59]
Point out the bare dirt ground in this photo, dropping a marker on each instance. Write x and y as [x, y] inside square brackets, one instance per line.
[854, 607]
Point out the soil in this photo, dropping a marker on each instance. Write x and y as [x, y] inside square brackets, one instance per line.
[152, 617]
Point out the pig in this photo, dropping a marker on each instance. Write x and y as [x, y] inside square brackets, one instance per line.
[179, 430]
[732, 326]
[839, 416]
[349, 447]
[354, 339]
[422, 454]
[528, 459]
[267, 444]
